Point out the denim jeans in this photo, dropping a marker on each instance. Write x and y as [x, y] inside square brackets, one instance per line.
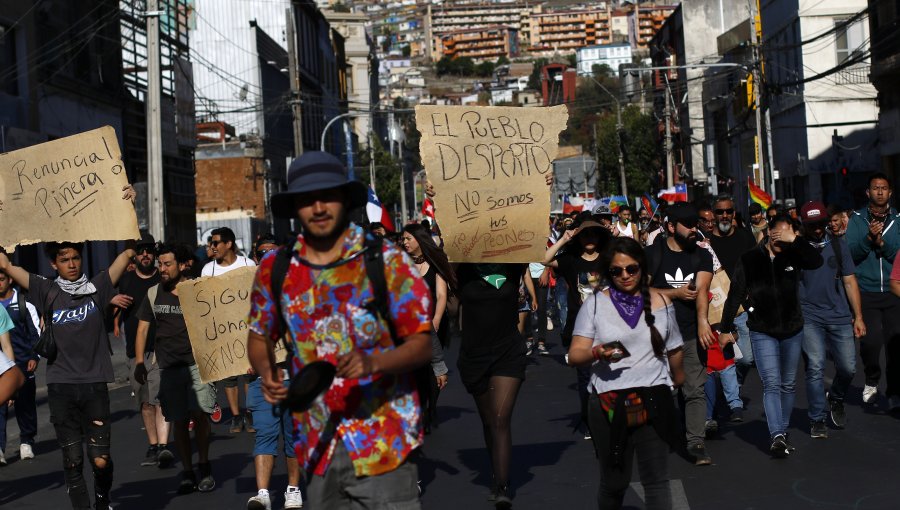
[776, 361]
[562, 301]
[80, 415]
[270, 424]
[743, 342]
[644, 448]
[837, 338]
[730, 388]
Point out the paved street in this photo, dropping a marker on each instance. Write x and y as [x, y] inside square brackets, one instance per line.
[553, 466]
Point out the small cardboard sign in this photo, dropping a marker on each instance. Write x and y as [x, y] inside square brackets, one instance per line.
[488, 166]
[68, 189]
[215, 310]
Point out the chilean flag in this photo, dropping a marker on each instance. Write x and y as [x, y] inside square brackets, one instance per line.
[573, 204]
[378, 213]
[677, 193]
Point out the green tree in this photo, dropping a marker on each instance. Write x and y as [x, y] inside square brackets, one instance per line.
[502, 60]
[601, 71]
[387, 173]
[638, 139]
[484, 69]
[534, 81]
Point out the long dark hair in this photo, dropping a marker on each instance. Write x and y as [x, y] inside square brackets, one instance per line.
[435, 256]
[631, 248]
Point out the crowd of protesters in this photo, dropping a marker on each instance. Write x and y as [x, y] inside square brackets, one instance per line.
[659, 318]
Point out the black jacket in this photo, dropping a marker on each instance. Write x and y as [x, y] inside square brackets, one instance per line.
[769, 288]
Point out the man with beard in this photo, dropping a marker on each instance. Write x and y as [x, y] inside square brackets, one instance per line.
[133, 288]
[683, 271]
[828, 324]
[182, 395]
[706, 222]
[354, 443]
[729, 244]
[874, 238]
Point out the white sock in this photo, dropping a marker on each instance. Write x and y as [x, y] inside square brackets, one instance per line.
[263, 492]
[291, 488]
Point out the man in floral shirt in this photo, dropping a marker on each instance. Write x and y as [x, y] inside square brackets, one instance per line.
[355, 441]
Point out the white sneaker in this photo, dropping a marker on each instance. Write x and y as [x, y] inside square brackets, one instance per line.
[893, 403]
[260, 502]
[869, 393]
[2, 458]
[293, 499]
[549, 324]
[25, 451]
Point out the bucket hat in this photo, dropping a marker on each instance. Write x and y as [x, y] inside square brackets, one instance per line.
[316, 171]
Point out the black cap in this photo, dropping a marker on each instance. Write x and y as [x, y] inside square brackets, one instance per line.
[316, 171]
[146, 239]
[684, 213]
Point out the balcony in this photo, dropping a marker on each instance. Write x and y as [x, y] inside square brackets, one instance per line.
[854, 75]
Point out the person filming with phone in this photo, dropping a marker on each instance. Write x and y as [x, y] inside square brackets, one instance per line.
[629, 337]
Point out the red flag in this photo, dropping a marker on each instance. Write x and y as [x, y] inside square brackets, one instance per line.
[428, 208]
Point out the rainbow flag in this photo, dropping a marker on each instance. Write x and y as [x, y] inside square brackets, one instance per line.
[758, 195]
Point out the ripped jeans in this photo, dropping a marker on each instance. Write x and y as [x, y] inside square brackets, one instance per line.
[80, 413]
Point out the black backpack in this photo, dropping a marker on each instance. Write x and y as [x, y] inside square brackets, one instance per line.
[374, 261]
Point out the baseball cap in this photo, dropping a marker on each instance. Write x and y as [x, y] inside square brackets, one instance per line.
[602, 210]
[813, 212]
[684, 213]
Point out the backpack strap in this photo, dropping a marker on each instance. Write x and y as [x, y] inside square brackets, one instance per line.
[837, 248]
[280, 267]
[374, 261]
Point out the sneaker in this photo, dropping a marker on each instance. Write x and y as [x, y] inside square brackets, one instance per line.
[737, 415]
[216, 415]
[207, 482]
[837, 415]
[869, 393]
[152, 456]
[164, 458]
[893, 403]
[101, 502]
[261, 501]
[779, 447]
[549, 324]
[188, 482]
[26, 452]
[236, 424]
[248, 423]
[542, 349]
[294, 499]
[698, 451]
[567, 358]
[818, 430]
[503, 501]
[529, 347]
[2, 458]
[588, 436]
[790, 445]
[712, 428]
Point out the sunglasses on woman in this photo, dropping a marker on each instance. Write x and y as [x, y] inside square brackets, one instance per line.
[631, 269]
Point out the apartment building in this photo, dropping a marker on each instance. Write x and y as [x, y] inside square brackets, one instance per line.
[645, 21]
[488, 43]
[611, 55]
[441, 19]
[569, 30]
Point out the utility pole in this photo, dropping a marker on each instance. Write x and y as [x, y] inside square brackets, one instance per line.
[670, 178]
[403, 211]
[294, 75]
[755, 36]
[155, 203]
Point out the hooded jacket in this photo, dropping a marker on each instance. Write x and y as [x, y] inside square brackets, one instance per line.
[873, 265]
[768, 287]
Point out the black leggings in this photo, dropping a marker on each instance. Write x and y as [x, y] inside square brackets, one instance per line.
[881, 312]
[495, 406]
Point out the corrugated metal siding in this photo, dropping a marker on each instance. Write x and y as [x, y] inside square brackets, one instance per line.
[245, 231]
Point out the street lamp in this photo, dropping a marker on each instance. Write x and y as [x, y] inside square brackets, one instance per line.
[619, 129]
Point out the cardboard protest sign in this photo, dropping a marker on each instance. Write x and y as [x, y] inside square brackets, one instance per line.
[488, 166]
[69, 189]
[215, 310]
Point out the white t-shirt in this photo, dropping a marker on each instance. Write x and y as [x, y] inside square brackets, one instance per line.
[5, 363]
[212, 268]
[626, 231]
[536, 269]
[642, 368]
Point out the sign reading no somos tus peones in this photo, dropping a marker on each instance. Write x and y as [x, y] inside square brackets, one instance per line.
[488, 166]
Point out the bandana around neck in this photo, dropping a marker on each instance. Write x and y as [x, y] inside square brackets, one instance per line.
[629, 307]
[80, 287]
[491, 273]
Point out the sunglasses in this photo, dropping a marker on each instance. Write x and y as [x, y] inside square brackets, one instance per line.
[631, 269]
[720, 212]
[215, 243]
[149, 250]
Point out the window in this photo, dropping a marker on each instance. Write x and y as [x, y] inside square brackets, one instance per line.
[8, 65]
[849, 40]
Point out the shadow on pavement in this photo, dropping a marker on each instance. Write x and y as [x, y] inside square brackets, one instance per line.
[524, 458]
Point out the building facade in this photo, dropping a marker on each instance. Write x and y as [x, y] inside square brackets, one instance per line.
[479, 44]
[884, 17]
[612, 55]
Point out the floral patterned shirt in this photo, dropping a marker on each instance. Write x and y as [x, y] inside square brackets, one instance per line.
[377, 417]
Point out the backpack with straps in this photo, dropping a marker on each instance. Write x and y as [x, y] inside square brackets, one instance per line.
[373, 258]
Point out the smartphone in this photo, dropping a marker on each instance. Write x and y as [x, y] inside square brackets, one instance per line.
[692, 285]
[619, 350]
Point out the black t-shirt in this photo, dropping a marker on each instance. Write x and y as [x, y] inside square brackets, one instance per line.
[173, 346]
[490, 315]
[582, 278]
[674, 269]
[133, 285]
[729, 249]
[78, 328]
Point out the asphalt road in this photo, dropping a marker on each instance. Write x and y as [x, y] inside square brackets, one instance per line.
[553, 466]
